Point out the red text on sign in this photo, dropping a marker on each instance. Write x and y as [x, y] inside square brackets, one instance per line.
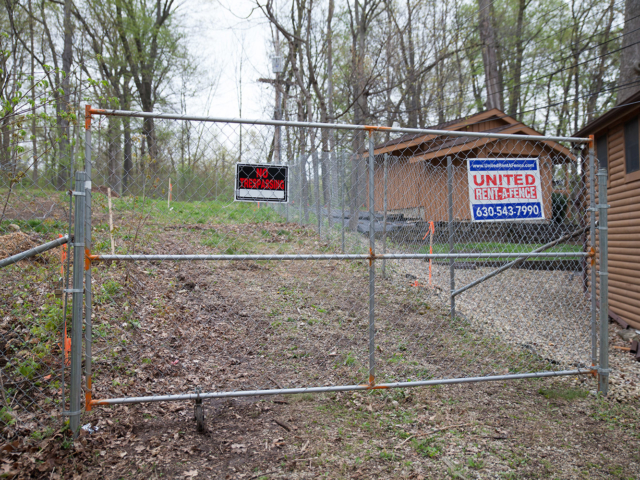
[261, 183]
[502, 193]
[516, 179]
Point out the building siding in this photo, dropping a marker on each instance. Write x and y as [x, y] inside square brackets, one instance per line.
[623, 198]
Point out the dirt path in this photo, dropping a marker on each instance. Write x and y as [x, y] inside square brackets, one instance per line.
[165, 328]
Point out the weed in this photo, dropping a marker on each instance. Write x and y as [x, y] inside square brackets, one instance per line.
[427, 447]
[388, 456]
[476, 463]
[350, 360]
[563, 393]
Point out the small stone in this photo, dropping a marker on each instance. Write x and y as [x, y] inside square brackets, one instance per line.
[13, 227]
[628, 335]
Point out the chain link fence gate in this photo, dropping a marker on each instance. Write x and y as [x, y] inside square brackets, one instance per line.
[192, 296]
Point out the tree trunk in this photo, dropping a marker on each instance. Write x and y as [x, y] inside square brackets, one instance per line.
[630, 55]
[490, 56]
[113, 153]
[65, 166]
[600, 71]
[514, 98]
[34, 144]
[357, 192]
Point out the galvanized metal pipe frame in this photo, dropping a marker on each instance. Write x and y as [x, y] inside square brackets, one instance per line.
[77, 310]
[603, 230]
[333, 126]
[384, 214]
[372, 266]
[5, 262]
[452, 278]
[88, 327]
[337, 256]
[592, 237]
[79, 258]
[341, 388]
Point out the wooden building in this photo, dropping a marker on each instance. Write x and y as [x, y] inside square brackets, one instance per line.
[417, 165]
[617, 147]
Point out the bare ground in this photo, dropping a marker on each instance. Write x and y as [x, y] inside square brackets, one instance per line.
[169, 328]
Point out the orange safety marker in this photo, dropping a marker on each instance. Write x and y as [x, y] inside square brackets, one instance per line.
[430, 231]
[67, 340]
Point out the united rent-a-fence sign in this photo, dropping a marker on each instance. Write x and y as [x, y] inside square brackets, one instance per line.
[505, 189]
[262, 183]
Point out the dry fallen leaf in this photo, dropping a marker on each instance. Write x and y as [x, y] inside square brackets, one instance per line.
[191, 473]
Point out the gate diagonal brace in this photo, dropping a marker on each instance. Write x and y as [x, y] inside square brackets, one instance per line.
[591, 254]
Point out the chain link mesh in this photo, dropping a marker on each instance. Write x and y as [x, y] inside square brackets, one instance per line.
[166, 187]
[35, 332]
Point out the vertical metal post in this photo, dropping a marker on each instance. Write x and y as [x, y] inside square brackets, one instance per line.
[592, 228]
[372, 266]
[300, 178]
[451, 260]
[603, 370]
[342, 176]
[316, 187]
[384, 221]
[77, 290]
[87, 273]
[289, 195]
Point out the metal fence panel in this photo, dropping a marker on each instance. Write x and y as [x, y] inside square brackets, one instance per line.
[194, 294]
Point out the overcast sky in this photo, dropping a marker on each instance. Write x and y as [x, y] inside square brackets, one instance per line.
[225, 35]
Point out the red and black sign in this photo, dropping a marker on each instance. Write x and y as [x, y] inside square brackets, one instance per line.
[262, 183]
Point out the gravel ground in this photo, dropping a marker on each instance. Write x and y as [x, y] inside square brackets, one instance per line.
[545, 312]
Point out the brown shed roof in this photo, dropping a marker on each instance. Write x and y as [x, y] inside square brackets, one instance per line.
[426, 146]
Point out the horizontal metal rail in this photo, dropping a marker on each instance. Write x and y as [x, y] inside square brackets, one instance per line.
[363, 256]
[343, 388]
[5, 262]
[334, 126]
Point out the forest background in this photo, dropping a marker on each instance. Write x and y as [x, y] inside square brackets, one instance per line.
[552, 64]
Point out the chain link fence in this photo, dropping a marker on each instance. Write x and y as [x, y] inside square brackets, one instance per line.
[399, 258]
[35, 268]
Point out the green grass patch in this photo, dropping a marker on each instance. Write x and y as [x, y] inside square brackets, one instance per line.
[563, 393]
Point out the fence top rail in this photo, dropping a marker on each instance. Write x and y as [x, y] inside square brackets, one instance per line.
[334, 126]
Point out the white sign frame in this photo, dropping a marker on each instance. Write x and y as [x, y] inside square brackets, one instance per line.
[505, 189]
